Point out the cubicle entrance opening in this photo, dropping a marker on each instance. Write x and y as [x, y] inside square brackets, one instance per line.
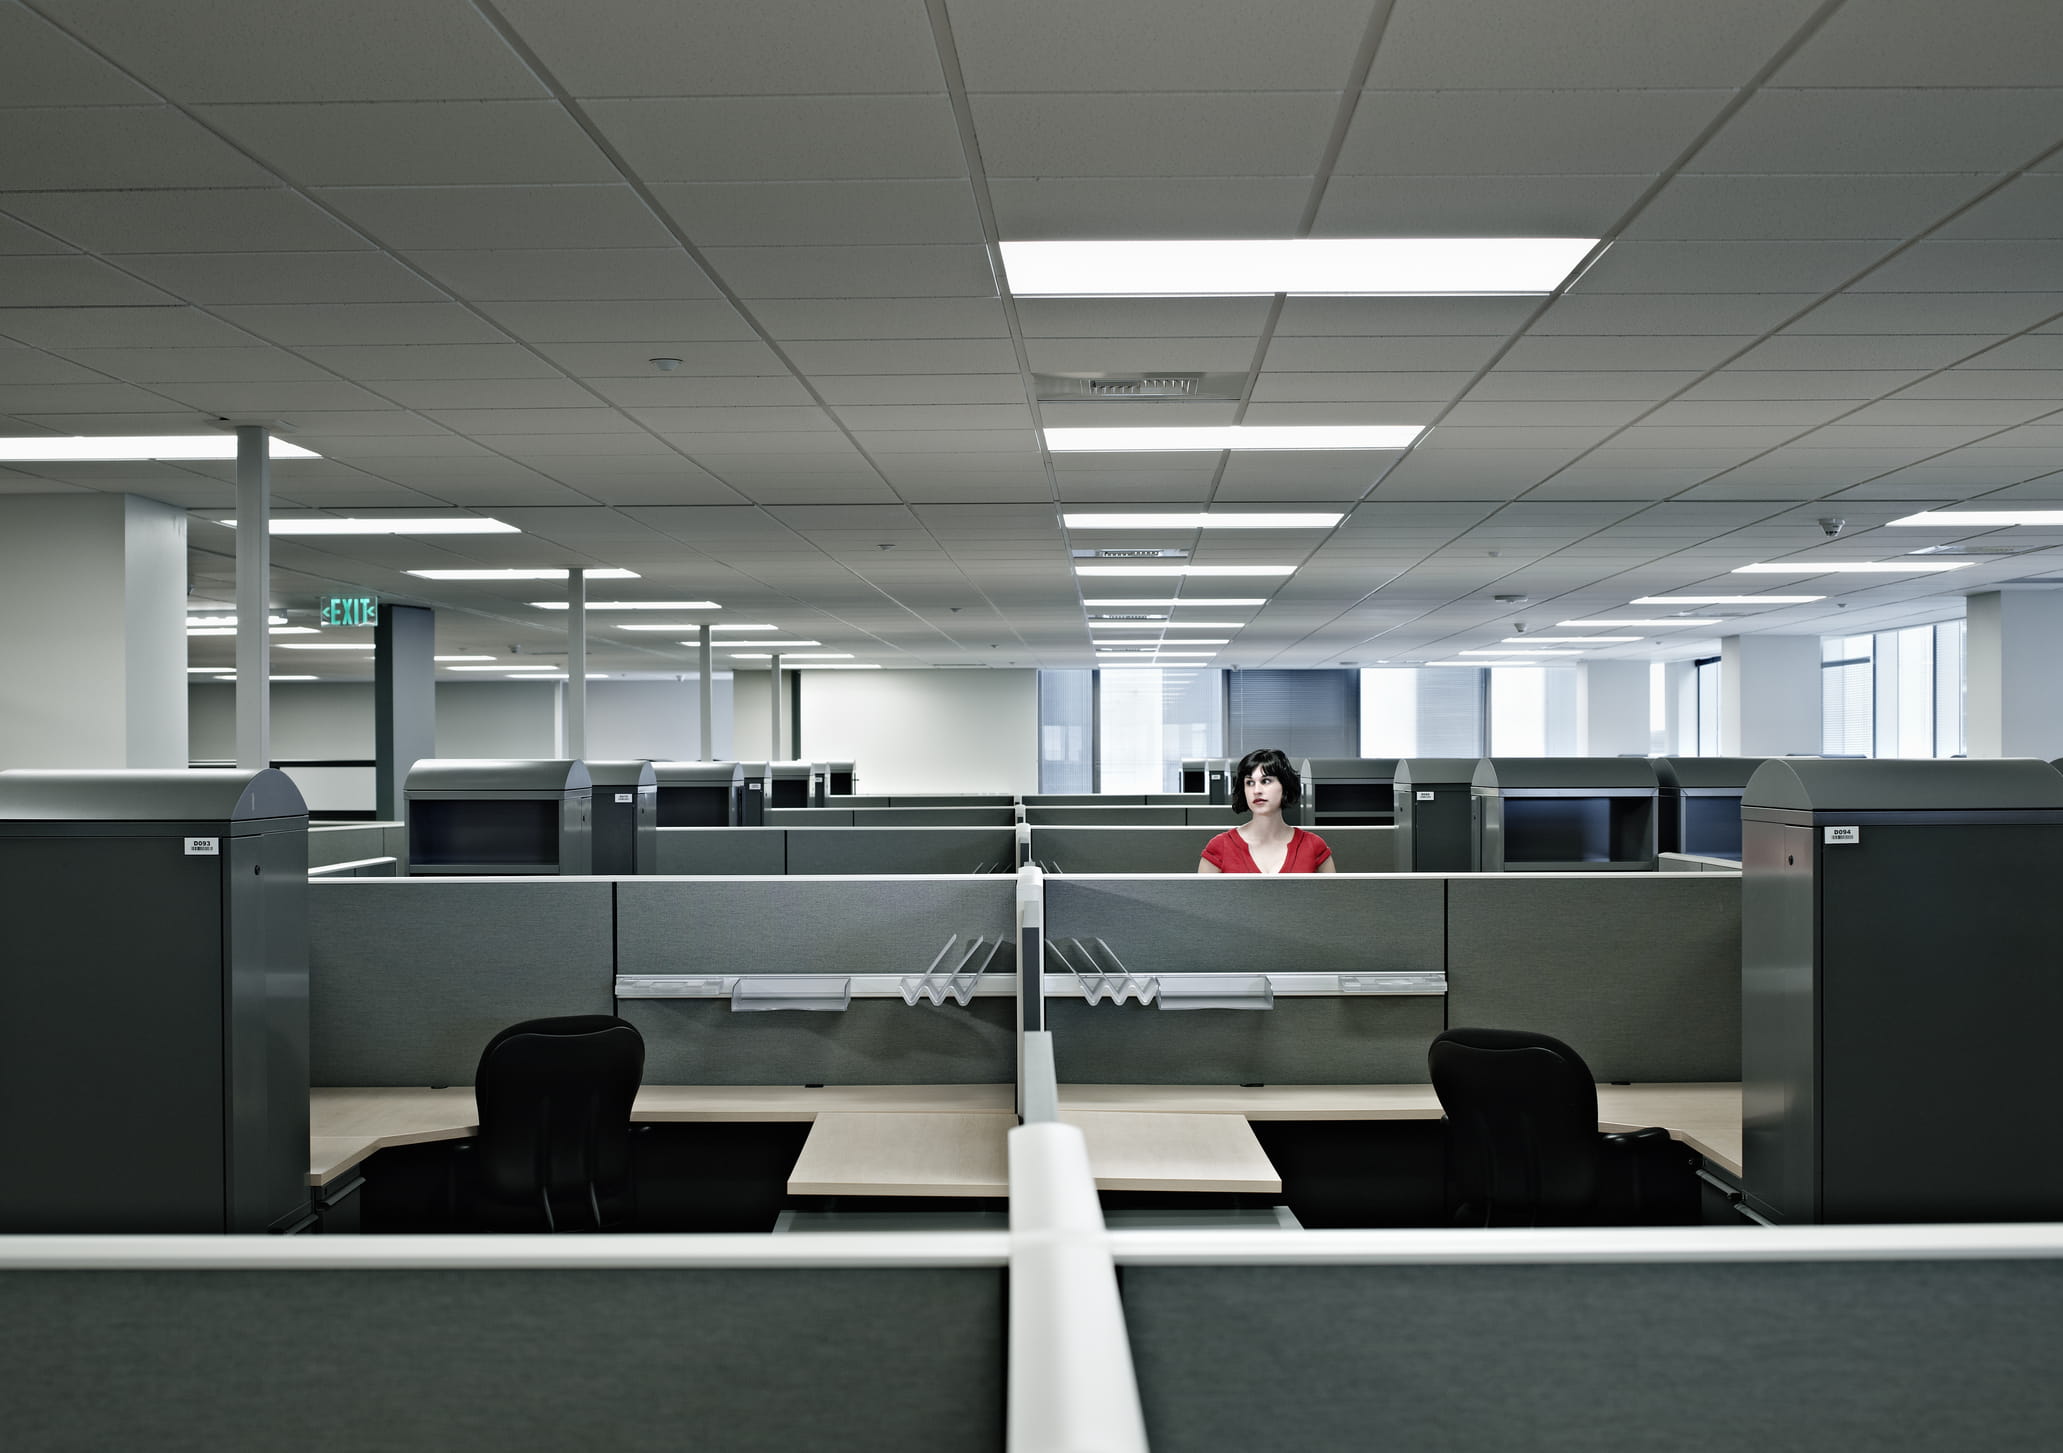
[1541, 830]
[488, 835]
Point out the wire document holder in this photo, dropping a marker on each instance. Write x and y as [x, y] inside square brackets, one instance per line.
[959, 982]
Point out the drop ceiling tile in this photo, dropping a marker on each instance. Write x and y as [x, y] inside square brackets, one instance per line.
[143, 421]
[1899, 43]
[903, 355]
[1893, 206]
[1523, 133]
[429, 360]
[920, 388]
[1089, 489]
[1728, 267]
[710, 48]
[633, 360]
[1137, 134]
[1780, 384]
[362, 323]
[1279, 386]
[253, 50]
[1641, 313]
[1515, 385]
[1476, 206]
[262, 397]
[1931, 129]
[417, 218]
[2028, 206]
[283, 277]
[1976, 267]
[787, 214]
[1337, 413]
[1020, 443]
[1670, 352]
[33, 366]
[546, 447]
[691, 423]
[1987, 383]
[891, 271]
[1798, 413]
[1142, 317]
[785, 138]
[1289, 354]
[1998, 413]
[859, 417]
[117, 147]
[1158, 45]
[1602, 44]
[67, 328]
[567, 274]
[1970, 313]
[659, 319]
[228, 220]
[1873, 351]
[409, 143]
[1582, 482]
[29, 399]
[491, 393]
[1030, 208]
[790, 318]
[72, 281]
[353, 425]
[675, 390]
[589, 422]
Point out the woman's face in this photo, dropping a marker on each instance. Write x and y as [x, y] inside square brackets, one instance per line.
[1263, 793]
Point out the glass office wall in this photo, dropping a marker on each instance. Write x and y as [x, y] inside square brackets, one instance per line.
[1413, 711]
[1150, 718]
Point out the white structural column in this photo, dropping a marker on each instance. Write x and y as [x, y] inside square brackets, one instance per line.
[1769, 696]
[253, 596]
[779, 754]
[706, 655]
[1612, 708]
[576, 663]
[2013, 702]
[93, 673]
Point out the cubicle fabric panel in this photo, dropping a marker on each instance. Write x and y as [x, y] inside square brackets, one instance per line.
[735, 851]
[1639, 974]
[832, 926]
[1141, 816]
[1892, 1356]
[808, 817]
[1073, 849]
[751, 1361]
[1236, 924]
[900, 816]
[408, 978]
[833, 851]
[328, 845]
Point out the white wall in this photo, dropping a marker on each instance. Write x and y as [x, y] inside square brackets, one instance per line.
[498, 719]
[2014, 698]
[1612, 708]
[1769, 696]
[752, 719]
[924, 731]
[657, 719]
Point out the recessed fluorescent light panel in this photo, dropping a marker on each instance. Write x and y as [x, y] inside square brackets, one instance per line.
[799, 656]
[193, 620]
[325, 645]
[1336, 266]
[684, 626]
[1166, 570]
[1852, 567]
[470, 525]
[209, 670]
[1950, 519]
[1211, 602]
[764, 643]
[1201, 522]
[1664, 621]
[1167, 625]
[594, 605]
[1210, 438]
[54, 449]
[462, 658]
[1183, 641]
[1518, 653]
[1725, 599]
[503, 666]
[839, 666]
[1568, 640]
[538, 574]
[293, 678]
[274, 631]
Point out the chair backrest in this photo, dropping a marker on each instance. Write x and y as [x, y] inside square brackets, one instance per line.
[554, 1097]
[1522, 1125]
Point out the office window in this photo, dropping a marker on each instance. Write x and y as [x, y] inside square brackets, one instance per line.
[1894, 694]
[1303, 713]
[1847, 696]
[1411, 711]
[1150, 719]
[1067, 725]
[1532, 711]
[1951, 682]
[1705, 679]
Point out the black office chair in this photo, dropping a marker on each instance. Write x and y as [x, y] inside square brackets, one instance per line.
[554, 1101]
[1523, 1144]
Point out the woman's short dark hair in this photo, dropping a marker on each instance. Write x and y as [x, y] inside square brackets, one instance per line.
[1276, 765]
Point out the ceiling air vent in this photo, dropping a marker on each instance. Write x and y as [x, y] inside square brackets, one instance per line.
[1137, 387]
[1129, 554]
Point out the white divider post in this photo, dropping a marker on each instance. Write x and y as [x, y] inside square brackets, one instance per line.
[1072, 1388]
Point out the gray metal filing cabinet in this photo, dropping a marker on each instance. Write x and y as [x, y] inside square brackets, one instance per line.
[752, 785]
[1352, 791]
[1435, 832]
[787, 784]
[480, 816]
[1564, 815]
[699, 794]
[154, 1002]
[1701, 804]
[626, 817]
[1900, 990]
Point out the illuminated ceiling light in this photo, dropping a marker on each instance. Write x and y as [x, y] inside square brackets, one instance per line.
[1664, 621]
[1725, 599]
[293, 678]
[1333, 266]
[1201, 522]
[210, 670]
[1855, 567]
[1518, 653]
[325, 645]
[839, 666]
[1172, 570]
[503, 666]
[1167, 625]
[230, 621]
[274, 631]
[540, 573]
[1950, 519]
[462, 658]
[468, 525]
[595, 605]
[800, 656]
[684, 626]
[54, 449]
[1570, 640]
[1212, 601]
[1211, 438]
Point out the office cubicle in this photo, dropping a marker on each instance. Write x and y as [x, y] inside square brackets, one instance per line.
[1432, 807]
[474, 816]
[699, 794]
[1701, 804]
[1351, 791]
[1564, 815]
[625, 817]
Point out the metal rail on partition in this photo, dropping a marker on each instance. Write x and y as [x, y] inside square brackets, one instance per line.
[1096, 973]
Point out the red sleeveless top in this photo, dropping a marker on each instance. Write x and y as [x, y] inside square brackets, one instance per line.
[1228, 853]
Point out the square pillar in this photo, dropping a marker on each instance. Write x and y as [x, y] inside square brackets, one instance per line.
[2014, 698]
[1612, 708]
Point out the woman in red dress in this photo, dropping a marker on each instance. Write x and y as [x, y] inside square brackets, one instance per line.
[1266, 844]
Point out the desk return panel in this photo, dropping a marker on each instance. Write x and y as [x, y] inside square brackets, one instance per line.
[1244, 926]
[832, 927]
[410, 977]
[763, 1360]
[1641, 975]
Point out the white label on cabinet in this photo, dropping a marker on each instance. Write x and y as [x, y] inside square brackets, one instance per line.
[1849, 835]
[204, 847]
[624, 797]
[1425, 797]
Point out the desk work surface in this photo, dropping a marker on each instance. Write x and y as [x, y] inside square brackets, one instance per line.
[967, 1155]
[1706, 1117]
[345, 1125]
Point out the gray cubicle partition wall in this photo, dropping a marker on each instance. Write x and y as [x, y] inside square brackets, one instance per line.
[752, 789]
[477, 816]
[1133, 814]
[719, 851]
[1701, 804]
[862, 850]
[410, 977]
[626, 817]
[154, 1008]
[1238, 926]
[1351, 791]
[356, 842]
[1640, 974]
[1564, 815]
[788, 784]
[1432, 808]
[1900, 990]
[1070, 848]
[701, 933]
[699, 794]
[686, 1344]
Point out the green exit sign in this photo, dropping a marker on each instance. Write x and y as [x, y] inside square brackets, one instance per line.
[351, 610]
